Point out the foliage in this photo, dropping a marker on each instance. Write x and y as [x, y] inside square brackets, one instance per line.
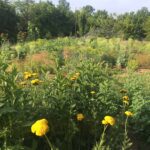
[132, 65]
[45, 20]
[8, 21]
[73, 89]
[137, 87]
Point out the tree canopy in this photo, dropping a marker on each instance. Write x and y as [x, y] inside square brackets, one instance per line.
[45, 20]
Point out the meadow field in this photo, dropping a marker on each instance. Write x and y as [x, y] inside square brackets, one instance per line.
[75, 94]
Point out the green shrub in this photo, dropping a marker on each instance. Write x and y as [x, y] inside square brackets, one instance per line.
[138, 89]
[132, 65]
[69, 84]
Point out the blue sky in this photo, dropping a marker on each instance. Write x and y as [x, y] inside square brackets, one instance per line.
[117, 6]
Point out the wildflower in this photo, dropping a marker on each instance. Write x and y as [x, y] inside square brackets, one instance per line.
[125, 98]
[27, 75]
[36, 81]
[128, 113]
[92, 92]
[34, 74]
[40, 127]
[80, 117]
[23, 83]
[126, 102]
[123, 91]
[73, 78]
[104, 122]
[77, 74]
[108, 120]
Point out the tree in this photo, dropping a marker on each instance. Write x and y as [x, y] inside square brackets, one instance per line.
[131, 24]
[146, 28]
[8, 20]
[23, 9]
[63, 6]
[102, 24]
[84, 19]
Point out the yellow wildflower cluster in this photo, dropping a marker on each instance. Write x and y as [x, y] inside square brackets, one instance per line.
[74, 77]
[35, 81]
[128, 113]
[80, 117]
[108, 120]
[28, 75]
[40, 127]
[23, 83]
[126, 100]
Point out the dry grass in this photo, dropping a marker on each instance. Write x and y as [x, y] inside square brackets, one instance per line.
[67, 53]
[41, 59]
[143, 60]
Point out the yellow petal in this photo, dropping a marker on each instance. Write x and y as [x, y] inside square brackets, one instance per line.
[110, 120]
[80, 117]
[104, 122]
[128, 113]
[40, 127]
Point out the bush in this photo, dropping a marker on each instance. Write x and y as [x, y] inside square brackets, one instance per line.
[138, 89]
[132, 65]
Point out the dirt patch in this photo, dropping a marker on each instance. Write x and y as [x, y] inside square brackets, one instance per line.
[143, 60]
[138, 72]
[66, 53]
[143, 71]
[40, 60]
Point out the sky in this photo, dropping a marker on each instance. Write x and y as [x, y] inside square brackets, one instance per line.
[112, 6]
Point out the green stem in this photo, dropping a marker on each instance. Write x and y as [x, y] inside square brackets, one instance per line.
[125, 128]
[103, 135]
[124, 147]
[5, 142]
[49, 143]
[35, 96]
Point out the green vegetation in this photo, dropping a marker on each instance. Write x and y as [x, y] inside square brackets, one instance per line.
[22, 20]
[85, 88]
[61, 92]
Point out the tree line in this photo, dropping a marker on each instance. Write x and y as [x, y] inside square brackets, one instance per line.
[29, 20]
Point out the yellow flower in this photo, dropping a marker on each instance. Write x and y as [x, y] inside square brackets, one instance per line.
[92, 92]
[73, 78]
[125, 98]
[110, 120]
[34, 74]
[36, 81]
[77, 74]
[23, 83]
[80, 117]
[27, 75]
[126, 102]
[128, 113]
[40, 127]
[104, 122]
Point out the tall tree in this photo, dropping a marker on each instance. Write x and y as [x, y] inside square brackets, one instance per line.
[146, 28]
[63, 6]
[23, 9]
[8, 20]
